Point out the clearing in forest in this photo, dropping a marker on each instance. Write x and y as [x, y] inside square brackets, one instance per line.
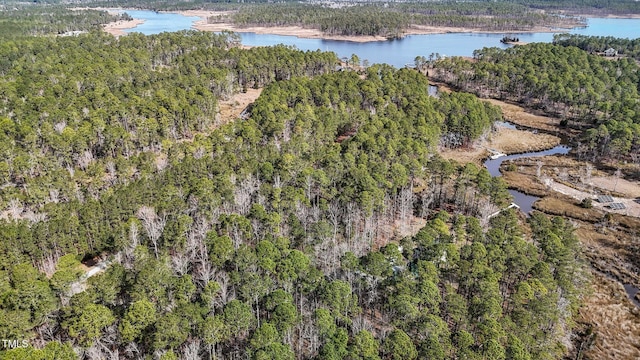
[519, 116]
[229, 110]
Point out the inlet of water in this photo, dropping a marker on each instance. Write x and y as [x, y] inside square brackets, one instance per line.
[523, 200]
[632, 291]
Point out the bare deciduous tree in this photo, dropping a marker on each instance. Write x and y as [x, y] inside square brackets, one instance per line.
[425, 204]
[485, 209]
[34, 217]
[405, 208]
[243, 193]
[180, 263]
[191, 351]
[308, 335]
[361, 323]
[60, 126]
[204, 272]
[161, 162]
[48, 263]
[199, 153]
[335, 212]
[84, 159]
[226, 292]
[54, 195]
[129, 251]
[15, 209]
[153, 225]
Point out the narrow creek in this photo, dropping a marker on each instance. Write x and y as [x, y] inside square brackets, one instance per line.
[521, 199]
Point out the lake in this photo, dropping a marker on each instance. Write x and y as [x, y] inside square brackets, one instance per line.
[394, 52]
[156, 22]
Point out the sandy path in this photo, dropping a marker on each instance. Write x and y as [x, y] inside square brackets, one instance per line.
[629, 188]
[632, 207]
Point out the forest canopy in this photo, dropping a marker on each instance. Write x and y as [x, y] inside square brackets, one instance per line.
[394, 19]
[600, 44]
[322, 224]
[24, 20]
[272, 236]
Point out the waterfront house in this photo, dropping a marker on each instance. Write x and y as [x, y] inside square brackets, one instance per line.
[611, 52]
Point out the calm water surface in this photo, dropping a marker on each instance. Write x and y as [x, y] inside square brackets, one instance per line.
[494, 165]
[394, 52]
[155, 23]
[523, 200]
[631, 292]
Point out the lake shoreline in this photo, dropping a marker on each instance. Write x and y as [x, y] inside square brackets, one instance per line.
[310, 33]
[117, 28]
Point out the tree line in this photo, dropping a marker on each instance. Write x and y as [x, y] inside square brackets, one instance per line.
[589, 92]
[21, 20]
[85, 113]
[592, 7]
[393, 20]
[599, 44]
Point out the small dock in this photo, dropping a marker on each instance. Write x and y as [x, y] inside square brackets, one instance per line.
[512, 206]
[495, 154]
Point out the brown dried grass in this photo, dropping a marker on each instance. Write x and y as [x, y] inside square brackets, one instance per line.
[615, 320]
[230, 110]
[508, 141]
[518, 115]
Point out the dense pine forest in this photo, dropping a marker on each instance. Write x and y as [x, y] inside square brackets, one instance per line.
[322, 225]
[395, 19]
[600, 44]
[582, 7]
[21, 20]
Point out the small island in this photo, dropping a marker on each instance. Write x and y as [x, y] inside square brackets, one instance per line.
[511, 40]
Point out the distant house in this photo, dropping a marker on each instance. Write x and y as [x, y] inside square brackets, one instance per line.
[611, 52]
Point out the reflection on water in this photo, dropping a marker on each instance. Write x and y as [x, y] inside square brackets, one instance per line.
[396, 52]
[631, 292]
[156, 22]
[494, 165]
[523, 200]
[505, 124]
